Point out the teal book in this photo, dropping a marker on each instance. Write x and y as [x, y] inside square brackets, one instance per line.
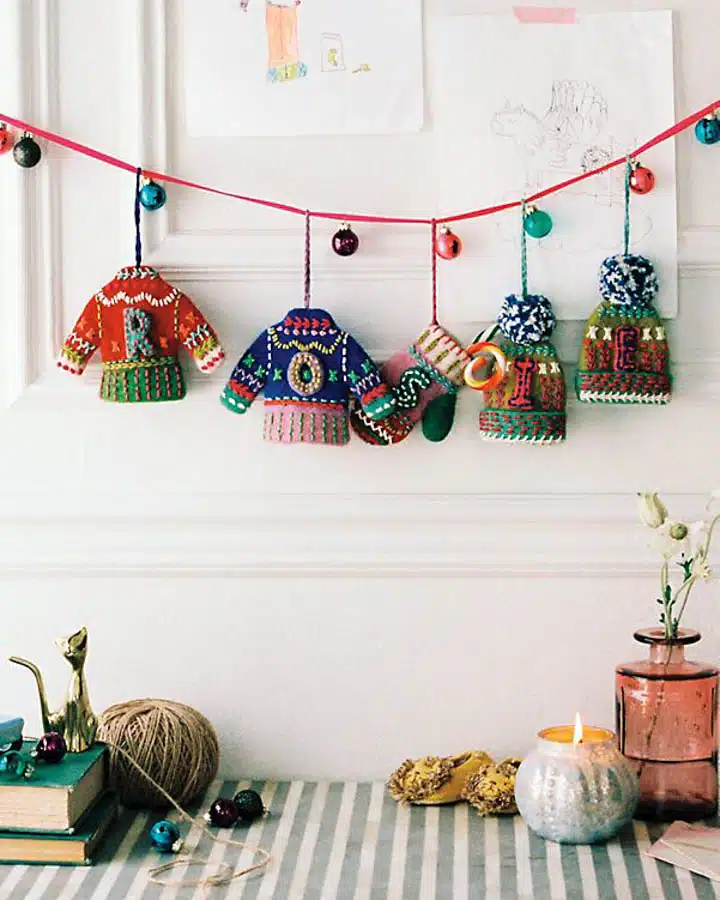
[75, 849]
[57, 795]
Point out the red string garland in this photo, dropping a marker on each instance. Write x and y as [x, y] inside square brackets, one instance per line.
[70, 144]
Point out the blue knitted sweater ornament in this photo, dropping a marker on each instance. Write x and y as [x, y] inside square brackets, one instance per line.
[308, 368]
[624, 357]
[529, 404]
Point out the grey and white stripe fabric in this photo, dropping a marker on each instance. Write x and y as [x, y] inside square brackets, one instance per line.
[351, 841]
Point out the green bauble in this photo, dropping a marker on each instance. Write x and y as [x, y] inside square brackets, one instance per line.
[439, 416]
[249, 804]
[538, 224]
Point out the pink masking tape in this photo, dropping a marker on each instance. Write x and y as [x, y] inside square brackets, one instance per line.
[548, 15]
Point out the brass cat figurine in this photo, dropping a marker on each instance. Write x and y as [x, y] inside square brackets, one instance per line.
[75, 721]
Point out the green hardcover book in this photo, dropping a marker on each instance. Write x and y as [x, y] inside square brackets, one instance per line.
[57, 795]
[75, 849]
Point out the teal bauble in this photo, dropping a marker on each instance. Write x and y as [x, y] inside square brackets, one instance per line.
[164, 835]
[153, 196]
[538, 224]
[16, 765]
[707, 130]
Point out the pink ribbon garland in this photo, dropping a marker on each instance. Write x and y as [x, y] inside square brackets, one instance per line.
[106, 158]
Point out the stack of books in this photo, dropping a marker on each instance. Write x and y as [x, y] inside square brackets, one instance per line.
[60, 815]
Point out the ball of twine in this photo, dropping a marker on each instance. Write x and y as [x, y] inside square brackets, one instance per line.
[173, 743]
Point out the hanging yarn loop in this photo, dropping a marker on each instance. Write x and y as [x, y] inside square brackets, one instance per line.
[433, 258]
[626, 229]
[138, 237]
[306, 298]
[523, 249]
[169, 743]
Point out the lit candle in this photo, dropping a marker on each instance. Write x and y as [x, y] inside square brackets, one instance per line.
[576, 787]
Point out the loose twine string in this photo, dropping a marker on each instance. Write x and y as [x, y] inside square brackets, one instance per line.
[225, 873]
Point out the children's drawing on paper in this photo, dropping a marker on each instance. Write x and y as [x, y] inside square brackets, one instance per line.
[331, 50]
[568, 137]
[281, 24]
[264, 68]
[518, 109]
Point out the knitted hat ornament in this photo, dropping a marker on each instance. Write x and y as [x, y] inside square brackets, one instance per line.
[138, 322]
[624, 357]
[528, 404]
[425, 379]
[308, 368]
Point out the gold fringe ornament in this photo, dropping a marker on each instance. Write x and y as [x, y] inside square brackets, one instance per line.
[436, 779]
[491, 790]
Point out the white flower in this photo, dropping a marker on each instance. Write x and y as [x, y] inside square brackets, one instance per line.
[653, 511]
[701, 570]
[671, 539]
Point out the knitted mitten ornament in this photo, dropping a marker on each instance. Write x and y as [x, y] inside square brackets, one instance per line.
[309, 368]
[139, 322]
[624, 356]
[491, 790]
[436, 779]
[529, 403]
[425, 380]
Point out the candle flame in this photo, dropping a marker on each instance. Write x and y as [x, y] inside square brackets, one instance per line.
[578, 732]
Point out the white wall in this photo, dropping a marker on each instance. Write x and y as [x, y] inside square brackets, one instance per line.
[332, 612]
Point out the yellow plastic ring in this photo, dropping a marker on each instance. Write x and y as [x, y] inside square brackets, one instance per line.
[498, 373]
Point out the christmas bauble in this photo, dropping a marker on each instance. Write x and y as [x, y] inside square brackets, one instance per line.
[51, 747]
[448, 245]
[7, 139]
[223, 813]
[707, 130]
[249, 805]
[163, 836]
[345, 242]
[27, 152]
[642, 180]
[538, 223]
[152, 196]
[16, 765]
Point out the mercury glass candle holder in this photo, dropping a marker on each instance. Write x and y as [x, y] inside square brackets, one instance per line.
[576, 793]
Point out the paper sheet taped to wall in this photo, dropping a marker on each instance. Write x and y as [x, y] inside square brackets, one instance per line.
[518, 107]
[294, 67]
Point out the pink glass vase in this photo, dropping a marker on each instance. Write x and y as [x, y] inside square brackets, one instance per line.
[666, 724]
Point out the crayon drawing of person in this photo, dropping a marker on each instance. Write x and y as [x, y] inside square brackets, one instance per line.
[281, 23]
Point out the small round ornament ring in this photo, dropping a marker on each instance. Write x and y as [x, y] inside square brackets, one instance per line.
[498, 372]
[305, 373]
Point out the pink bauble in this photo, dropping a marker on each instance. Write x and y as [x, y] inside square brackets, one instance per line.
[7, 139]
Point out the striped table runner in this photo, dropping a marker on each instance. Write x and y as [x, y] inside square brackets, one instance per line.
[351, 841]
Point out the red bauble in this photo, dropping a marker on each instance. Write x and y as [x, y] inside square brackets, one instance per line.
[51, 747]
[7, 139]
[448, 245]
[345, 242]
[642, 180]
[224, 812]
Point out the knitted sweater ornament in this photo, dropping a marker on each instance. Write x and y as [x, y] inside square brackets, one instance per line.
[425, 380]
[529, 403]
[309, 368]
[624, 357]
[139, 321]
